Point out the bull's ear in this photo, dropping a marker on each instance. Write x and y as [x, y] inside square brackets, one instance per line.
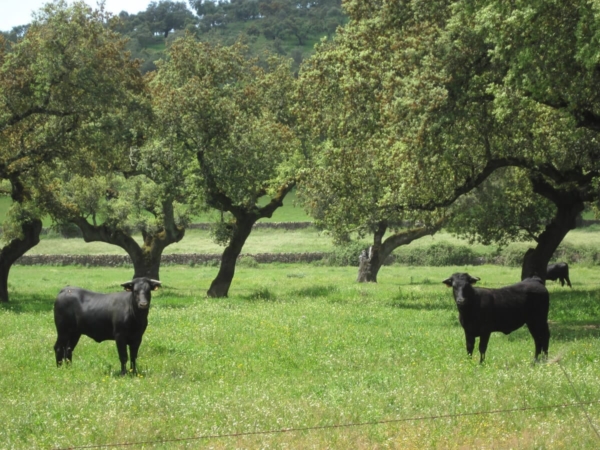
[473, 280]
[155, 284]
[128, 286]
[448, 282]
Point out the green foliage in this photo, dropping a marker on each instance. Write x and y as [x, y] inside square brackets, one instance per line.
[503, 209]
[437, 254]
[312, 351]
[345, 254]
[249, 262]
[221, 232]
[283, 27]
[17, 214]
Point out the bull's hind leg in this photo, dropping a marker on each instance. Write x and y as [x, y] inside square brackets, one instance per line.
[60, 349]
[541, 336]
[63, 349]
[71, 346]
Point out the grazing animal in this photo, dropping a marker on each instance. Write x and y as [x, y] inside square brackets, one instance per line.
[558, 271]
[120, 316]
[482, 311]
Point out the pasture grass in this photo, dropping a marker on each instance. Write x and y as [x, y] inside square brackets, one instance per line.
[263, 240]
[300, 347]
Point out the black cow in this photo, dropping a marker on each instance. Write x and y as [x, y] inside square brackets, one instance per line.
[558, 271]
[482, 311]
[121, 316]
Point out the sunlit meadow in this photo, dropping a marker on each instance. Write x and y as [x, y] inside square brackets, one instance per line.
[302, 348]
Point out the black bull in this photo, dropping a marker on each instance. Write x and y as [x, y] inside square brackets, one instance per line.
[482, 311]
[120, 316]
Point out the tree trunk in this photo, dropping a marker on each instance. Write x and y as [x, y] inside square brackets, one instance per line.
[145, 264]
[371, 262]
[220, 285]
[14, 250]
[569, 205]
[145, 258]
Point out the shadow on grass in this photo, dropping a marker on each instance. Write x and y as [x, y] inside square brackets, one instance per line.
[26, 304]
[573, 331]
[263, 294]
[575, 306]
[316, 291]
[410, 300]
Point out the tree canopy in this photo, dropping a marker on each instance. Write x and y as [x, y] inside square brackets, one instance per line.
[457, 90]
[65, 88]
[234, 117]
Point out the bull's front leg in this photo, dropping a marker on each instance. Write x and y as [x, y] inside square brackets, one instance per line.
[470, 339]
[133, 352]
[122, 349]
[483, 343]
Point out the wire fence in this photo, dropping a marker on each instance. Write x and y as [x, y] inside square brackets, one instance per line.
[580, 404]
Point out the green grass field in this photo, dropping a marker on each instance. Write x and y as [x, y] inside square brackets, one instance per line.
[300, 347]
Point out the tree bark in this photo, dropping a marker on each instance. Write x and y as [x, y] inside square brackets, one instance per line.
[245, 218]
[14, 250]
[220, 285]
[370, 263]
[145, 258]
[570, 204]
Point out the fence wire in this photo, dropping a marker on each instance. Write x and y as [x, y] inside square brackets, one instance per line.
[580, 404]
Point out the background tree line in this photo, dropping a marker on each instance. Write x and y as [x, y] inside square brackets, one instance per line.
[427, 113]
[281, 26]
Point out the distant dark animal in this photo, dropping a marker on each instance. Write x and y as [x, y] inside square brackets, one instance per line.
[121, 316]
[558, 271]
[482, 311]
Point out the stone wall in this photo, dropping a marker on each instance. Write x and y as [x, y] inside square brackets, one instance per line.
[178, 258]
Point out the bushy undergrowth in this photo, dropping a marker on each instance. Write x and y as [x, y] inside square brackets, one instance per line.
[448, 254]
[437, 254]
[345, 255]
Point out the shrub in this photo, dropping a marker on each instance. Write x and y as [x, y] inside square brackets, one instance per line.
[511, 256]
[345, 255]
[247, 261]
[438, 254]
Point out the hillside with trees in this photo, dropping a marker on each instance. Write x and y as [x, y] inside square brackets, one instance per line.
[284, 27]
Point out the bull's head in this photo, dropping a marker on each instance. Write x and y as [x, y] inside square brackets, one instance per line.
[141, 287]
[461, 286]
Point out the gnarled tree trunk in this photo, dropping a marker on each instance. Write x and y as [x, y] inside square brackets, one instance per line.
[371, 261]
[15, 249]
[242, 229]
[245, 218]
[570, 204]
[145, 258]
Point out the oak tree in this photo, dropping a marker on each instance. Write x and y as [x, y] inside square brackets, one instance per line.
[458, 90]
[233, 115]
[60, 86]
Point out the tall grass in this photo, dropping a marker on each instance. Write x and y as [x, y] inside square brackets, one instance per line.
[297, 346]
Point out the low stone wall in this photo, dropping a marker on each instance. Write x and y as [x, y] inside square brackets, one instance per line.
[276, 225]
[174, 258]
